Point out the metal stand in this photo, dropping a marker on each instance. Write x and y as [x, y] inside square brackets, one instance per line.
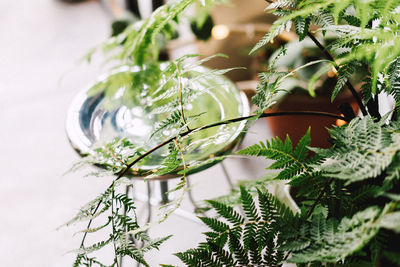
[226, 174]
[164, 192]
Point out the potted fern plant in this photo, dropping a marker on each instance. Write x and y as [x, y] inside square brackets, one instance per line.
[348, 194]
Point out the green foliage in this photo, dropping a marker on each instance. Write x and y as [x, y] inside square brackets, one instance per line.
[301, 26]
[337, 227]
[348, 194]
[344, 74]
[329, 241]
[141, 41]
[291, 161]
[250, 239]
[266, 89]
[372, 31]
[393, 80]
[363, 149]
[122, 221]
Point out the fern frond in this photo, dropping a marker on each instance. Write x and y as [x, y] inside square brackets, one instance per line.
[393, 171]
[364, 149]
[198, 257]
[282, 4]
[221, 254]
[344, 74]
[301, 26]
[215, 224]
[393, 87]
[249, 205]
[124, 201]
[154, 244]
[249, 233]
[283, 154]
[170, 122]
[95, 246]
[237, 249]
[255, 255]
[323, 18]
[331, 242]
[277, 29]
[266, 90]
[227, 212]
[95, 229]
[255, 241]
[170, 163]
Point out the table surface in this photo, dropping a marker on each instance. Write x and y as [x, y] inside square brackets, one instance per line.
[42, 42]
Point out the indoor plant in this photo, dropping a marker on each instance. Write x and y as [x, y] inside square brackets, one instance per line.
[348, 194]
[309, 90]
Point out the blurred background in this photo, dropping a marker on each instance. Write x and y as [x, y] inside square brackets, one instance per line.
[43, 43]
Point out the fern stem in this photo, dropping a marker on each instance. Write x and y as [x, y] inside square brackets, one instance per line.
[181, 96]
[113, 227]
[90, 222]
[349, 85]
[319, 197]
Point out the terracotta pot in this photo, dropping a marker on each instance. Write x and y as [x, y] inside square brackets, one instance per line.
[296, 126]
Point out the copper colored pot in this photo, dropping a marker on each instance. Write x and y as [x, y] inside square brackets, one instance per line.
[296, 126]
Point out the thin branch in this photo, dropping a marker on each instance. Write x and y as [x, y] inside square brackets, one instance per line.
[349, 85]
[319, 197]
[263, 115]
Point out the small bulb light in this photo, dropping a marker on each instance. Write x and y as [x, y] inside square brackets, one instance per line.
[220, 32]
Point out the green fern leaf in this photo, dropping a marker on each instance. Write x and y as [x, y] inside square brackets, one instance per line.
[173, 121]
[352, 20]
[237, 249]
[172, 13]
[364, 149]
[255, 255]
[317, 229]
[190, 258]
[248, 205]
[266, 90]
[154, 244]
[344, 74]
[222, 255]
[296, 245]
[172, 162]
[331, 243]
[277, 29]
[266, 207]
[125, 202]
[79, 258]
[323, 18]
[282, 4]
[394, 80]
[282, 153]
[249, 233]
[95, 246]
[301, 26]
[339, 8]
[227, 212]
[215, 224]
